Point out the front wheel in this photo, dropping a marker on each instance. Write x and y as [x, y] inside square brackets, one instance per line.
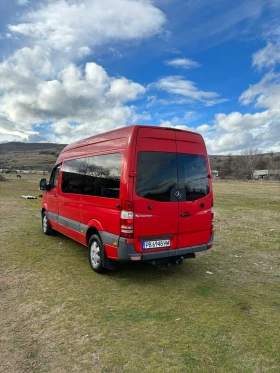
[46, 225]
[96, 254]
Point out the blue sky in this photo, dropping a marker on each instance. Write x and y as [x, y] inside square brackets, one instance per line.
[71, 69]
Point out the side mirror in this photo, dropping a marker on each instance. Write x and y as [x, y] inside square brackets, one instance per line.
[43, 184]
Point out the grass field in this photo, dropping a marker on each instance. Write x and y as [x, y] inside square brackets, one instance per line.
[57, 315]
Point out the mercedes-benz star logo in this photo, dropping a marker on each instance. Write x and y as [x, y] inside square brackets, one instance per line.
[178, 194]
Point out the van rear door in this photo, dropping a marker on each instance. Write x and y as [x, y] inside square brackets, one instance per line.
[155, 206]
[195, 217]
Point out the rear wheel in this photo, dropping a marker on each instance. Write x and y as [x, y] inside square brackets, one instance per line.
[46, 225]
[96, 254]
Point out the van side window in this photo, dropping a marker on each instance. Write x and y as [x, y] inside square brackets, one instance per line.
[103, 176]
[94, 176]
[54, 176]
[193, 176]
[156, 175]
[73, 176]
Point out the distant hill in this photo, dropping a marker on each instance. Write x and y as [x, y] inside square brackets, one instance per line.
[25, 156]
[42, 156]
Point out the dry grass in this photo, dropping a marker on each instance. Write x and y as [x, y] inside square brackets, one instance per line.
[57, 315]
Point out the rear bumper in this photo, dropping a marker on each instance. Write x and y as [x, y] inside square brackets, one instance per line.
[126, 251]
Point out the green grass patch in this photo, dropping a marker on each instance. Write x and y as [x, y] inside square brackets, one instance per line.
[57, 315]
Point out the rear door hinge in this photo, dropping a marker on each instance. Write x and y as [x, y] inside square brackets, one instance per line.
[132, 174]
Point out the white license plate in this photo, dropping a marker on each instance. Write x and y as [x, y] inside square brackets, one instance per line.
[155, 244]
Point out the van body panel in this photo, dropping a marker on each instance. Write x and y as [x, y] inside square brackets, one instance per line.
[69, 214]
[93, 223]
[111, 252]
[163, 174]
[102, 211]
[50, 203]
[64, 228]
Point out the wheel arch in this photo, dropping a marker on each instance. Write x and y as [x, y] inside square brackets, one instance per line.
[94, 227]
[43, 209]
[91, 231]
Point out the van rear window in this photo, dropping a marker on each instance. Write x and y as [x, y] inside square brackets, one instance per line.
[158, 173]
[193, 176]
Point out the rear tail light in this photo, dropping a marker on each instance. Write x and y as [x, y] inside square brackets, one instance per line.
[212, 214]
[127, 219]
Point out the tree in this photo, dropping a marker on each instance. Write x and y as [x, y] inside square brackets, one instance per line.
[249, 160]
[225, 169]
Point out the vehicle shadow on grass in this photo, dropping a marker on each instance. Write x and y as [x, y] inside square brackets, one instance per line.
[144, 271]
[149, 272]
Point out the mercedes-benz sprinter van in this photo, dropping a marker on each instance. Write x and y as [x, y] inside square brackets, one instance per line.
[138, 193]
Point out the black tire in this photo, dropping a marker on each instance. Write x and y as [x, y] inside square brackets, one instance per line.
[46, 225]
[96, 254]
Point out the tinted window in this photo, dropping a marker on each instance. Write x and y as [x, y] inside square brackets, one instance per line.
[73, 176]
[193, 176]
[95, 176]
[103, 176]
[156, 175]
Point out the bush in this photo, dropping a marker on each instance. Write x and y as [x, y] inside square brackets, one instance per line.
[50, 152]
[2, 178]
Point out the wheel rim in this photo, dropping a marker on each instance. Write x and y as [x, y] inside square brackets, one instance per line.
[95, 254]
[45, 224]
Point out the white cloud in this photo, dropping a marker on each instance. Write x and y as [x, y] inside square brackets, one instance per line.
[26, 63]
[264, 137]
[268, 56]
[179, 123]
[84, 51]
[230, 141]
[67, 26]
[190, 115]
[236, 121]
[9, 130]
[115, 52]
[170, 124]
[122, 90]
[204, 128]
[22, 2]
[266, 93]
[235, 131]
[41, 84]
[79, 101]
[270, 135]
[153, 100]
[184, 63]
[179, 86]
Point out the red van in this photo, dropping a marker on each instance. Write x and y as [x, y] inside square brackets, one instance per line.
[132, 194]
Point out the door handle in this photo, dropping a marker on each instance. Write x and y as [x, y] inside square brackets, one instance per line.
[55, 195]
[185, 215]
